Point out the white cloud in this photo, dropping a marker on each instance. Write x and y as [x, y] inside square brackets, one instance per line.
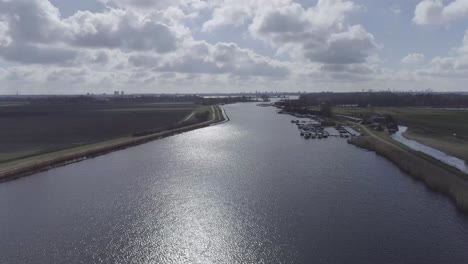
[433, 12]
[37, 21]
[142, 44]
[5, 39]
[120, 29]
[413, 58]
[32, 21]
[354, 45]
[141, 3]
[117, 47]
[238, 13]
[228, 16]
[464, 48]
[221, 58]
[36, 29]
[186, 9]
[455, 66]
[318, 34]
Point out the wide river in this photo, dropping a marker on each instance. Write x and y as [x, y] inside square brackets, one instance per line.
[247, 191]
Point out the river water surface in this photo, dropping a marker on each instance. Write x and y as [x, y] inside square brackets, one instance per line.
[247, 191]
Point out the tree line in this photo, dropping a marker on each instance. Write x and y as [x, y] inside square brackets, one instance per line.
[386, 99]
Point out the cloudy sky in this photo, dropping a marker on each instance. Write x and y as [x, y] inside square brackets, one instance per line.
[186, 46]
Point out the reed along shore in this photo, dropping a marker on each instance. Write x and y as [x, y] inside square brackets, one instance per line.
[436, 178]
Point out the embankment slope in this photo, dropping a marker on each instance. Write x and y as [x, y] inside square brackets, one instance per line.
[434, 176]
[32, 165]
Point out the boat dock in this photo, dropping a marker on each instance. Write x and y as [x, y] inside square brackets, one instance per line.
[312, 129]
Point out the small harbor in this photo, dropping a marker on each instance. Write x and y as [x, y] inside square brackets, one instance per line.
[313, 129]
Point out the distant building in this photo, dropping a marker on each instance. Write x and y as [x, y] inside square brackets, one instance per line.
[122, 93]
[378, 120]
[116, 93]
[384, 123]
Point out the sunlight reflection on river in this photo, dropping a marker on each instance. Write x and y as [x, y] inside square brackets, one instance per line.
[247, 191]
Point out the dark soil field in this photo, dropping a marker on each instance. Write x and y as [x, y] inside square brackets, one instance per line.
[33, 128]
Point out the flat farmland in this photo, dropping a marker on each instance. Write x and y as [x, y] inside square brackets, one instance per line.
[28, 129]
[443, 129]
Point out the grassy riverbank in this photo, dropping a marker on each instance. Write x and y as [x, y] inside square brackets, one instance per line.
[442, 129]
[32, 164]
[434, 174]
